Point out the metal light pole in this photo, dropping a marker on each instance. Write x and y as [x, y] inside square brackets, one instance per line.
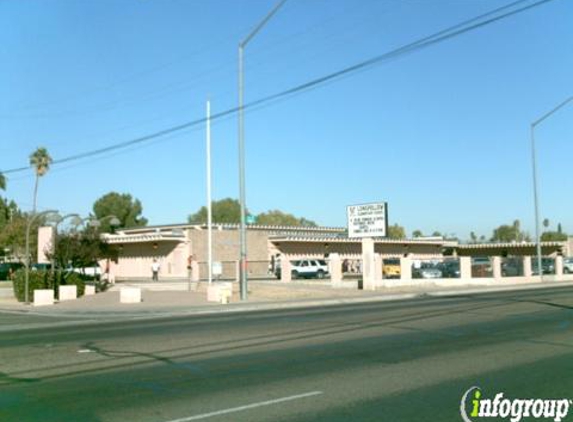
[31, 219]
[242, 200]
[535, 188]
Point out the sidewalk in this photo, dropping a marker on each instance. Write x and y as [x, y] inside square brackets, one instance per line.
[262, 296]
[180, 300]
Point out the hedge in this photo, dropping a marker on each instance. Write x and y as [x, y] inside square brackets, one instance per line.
[44, 280]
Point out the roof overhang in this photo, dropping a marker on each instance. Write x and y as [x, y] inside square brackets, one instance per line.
[142, 238]
[511, 245]
[409, 242]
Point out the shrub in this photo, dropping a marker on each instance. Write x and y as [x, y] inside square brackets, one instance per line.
[37, 280]
[45, 280]
[70, 279]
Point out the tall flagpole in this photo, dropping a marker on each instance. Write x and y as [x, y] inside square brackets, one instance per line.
[209, 210]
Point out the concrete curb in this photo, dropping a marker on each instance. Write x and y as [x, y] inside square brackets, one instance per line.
[494, 289]
[99, 316]
[214, 309]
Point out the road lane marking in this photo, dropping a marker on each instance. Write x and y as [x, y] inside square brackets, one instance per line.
[247, 407]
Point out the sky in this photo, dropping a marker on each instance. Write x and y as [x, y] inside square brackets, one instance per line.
[441, 134]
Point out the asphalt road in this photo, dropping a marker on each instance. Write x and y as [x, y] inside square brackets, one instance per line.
[392, 361]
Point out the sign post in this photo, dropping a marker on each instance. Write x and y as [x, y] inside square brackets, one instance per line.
[367, 221]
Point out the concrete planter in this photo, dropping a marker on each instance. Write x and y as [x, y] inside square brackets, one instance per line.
[130, 295]
[43, 297]
[220, 292]
[68, 293]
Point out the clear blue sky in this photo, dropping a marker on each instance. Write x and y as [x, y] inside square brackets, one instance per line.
[441, 134]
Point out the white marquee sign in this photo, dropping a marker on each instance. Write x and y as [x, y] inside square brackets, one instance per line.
[367, 220]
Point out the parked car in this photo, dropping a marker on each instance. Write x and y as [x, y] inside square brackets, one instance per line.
[306, 268]
[92, 271]
[391, 268]
[450, 268]
[512, 267]
[427, 270]
[41, 266]
[9, 268]
[547, 266]
[568, 265]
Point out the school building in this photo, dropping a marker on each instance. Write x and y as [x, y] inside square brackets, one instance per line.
[177, 246]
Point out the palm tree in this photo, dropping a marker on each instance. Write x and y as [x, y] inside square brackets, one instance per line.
[40, 160]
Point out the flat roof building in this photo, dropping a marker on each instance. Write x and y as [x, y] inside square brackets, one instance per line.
[175, 246]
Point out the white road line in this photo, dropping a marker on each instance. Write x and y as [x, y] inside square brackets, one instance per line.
[248, 406]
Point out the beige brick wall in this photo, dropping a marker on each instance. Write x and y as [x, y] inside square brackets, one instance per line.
[226, 250]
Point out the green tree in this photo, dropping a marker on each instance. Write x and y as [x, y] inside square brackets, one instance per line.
[417, 233]
[2, 182]
[279, 218]
[13, 235]
[546, 222]
[509, 233]
[81, 249]
[127, 209]
[40, 161]
[437, 234]
[473, 237]
[307, 223]
[552, 236]
[226, 210]
[7, 211]
[396, 232]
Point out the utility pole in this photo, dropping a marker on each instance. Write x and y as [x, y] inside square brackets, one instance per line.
[535, 188]
[242, 228]
[209, 207]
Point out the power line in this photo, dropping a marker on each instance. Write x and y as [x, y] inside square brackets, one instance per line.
[440, 36]
[158, 94]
